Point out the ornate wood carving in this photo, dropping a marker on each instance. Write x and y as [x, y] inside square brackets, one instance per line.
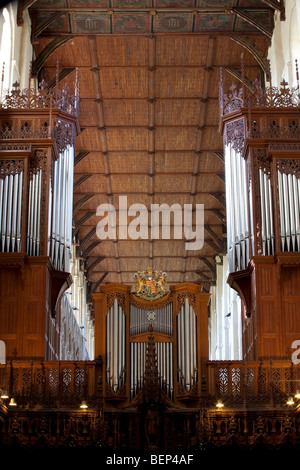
[181, 299]
[241, 282]
[289, 166]
[284, 146]
[121, 298]
[148, 305]
[11, 167]
[259, 159]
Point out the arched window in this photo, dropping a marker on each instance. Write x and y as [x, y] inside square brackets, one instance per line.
[5, 50]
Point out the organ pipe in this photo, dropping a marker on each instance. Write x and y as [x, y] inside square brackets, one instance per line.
[61, 207]
[11, 188]
[115, 346]
[163, 324]
[237, 214]
[187, 346]
[289, 211]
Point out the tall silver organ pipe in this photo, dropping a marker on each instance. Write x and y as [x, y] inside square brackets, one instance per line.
[187, 346]
[266, 208]
[34, 212]
[289, 211]
[237, 214]
[163, 323]
[60, 209]
[115, 347]
[164, 353]
[11, 192]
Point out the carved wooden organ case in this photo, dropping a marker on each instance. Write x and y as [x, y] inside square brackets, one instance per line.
[38, 127]
[180, 332]
[261, 129]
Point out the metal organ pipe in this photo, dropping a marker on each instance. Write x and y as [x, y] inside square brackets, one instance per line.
[266, 207]
[9, 214]
[4, 213]
[289, 211]
[34, 210]
[115, 346]
[237, 226]
[187, 352]
[14, 213]
[60, 209]
[164, 350]
[11, 191]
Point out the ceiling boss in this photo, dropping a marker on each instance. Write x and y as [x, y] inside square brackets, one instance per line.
[151, 284]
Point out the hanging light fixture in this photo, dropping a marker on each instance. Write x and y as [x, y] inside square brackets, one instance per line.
[12, 402]
[219, 404]
[4, 394]
[83, 405]
[290, 401]
[297, 394]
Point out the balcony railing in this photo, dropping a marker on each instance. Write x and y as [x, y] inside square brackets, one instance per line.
[253, 383]
[50, 384]
[65, 384]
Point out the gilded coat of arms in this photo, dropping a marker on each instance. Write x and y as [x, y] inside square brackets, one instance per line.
[150, 284]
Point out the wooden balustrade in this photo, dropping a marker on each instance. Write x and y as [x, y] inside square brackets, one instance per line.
[50, 384]
[65, 384]
[252, 382]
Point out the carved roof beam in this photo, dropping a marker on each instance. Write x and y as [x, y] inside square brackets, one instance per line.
[220, 215]
[220, 197]
[220, 155]
[97, 284]
[213, 245]
[204, 276]
[210, 266]
[80, 156]
[221, 176]
[151, 122]
[46, 53]
[205, 281]
[277, 5]
[237, 74]
[83, 219]
[255, 51]
[28, 3]
[81, 180]
[214, 235]
[81, 202]
[101, 123]
[36, 31]
[92, 266]
[84, 241]
[257, 24]
[63, 74]
[90, 248]
[201, 123]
